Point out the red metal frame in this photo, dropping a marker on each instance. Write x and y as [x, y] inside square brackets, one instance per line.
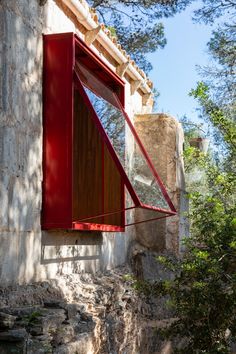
[60, 81]
[60, 51]
[57, 83]
[103, 68]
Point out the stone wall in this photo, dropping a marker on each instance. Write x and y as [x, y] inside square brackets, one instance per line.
[163, 138]
[76, 312]
[27, 253]
[82, 314]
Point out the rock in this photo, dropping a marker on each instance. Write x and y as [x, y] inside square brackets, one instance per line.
[14, 348]
[57, 304]
[85, 317]
[72, 310]
[35, 346]
[110, 317]
[14, 335]
[47, 322]
[84, 343]
[6, 321]
[44, 338]
[21, 312]
[36, 329]
[63, 335]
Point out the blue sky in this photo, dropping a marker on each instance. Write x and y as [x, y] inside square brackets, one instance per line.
[174, 67]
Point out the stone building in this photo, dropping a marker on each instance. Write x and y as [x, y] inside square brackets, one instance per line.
[27, 253]
[30, 252]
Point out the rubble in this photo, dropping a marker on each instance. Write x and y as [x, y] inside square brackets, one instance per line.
[81, 314]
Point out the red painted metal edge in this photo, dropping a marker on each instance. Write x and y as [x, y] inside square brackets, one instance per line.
[97, 227]
[93, 56]
[161, 210]
[78, 225]
[148, 220]
[106, 214]
[58, 57]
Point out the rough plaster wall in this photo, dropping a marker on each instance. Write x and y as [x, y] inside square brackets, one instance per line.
[26, 253]
[20, 138]
[163, 139]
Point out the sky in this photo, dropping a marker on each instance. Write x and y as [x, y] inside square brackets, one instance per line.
[174, 71]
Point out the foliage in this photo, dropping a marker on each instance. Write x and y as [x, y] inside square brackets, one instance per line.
[203, 293]
[221, 76]
[211, 10]
[136, 21]
[144, 40]
[216, 115]
[191, 129]
[217, 94]
[136, 24]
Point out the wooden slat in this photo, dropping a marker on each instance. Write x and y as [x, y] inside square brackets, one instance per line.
[113, 187]
[87, 150]
[97, 184]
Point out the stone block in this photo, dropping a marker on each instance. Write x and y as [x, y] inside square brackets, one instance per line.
[23, 204]
[30, 11]
[9, 252]
[47, 321]
[21, 62]
[14, 335]
[151, 235]
[162, 137]
[8, 149]
[6, 321]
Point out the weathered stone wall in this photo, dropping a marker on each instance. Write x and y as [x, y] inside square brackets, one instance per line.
[20, 138]
[73, 313]
[82, 314]
[163, 139]
[26, 252]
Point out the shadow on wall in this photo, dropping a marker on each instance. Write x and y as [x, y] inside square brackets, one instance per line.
[115, 249]
[72, 251]
[20, 137]
[23, 246]
[27, 254]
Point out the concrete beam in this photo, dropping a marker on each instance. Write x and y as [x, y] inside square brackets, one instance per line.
[91, 35]
[121, 69]
[146, 98]
[135, 84]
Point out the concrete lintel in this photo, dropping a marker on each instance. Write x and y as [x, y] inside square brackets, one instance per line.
[135, 84]
[91, 35]
[121, 69]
